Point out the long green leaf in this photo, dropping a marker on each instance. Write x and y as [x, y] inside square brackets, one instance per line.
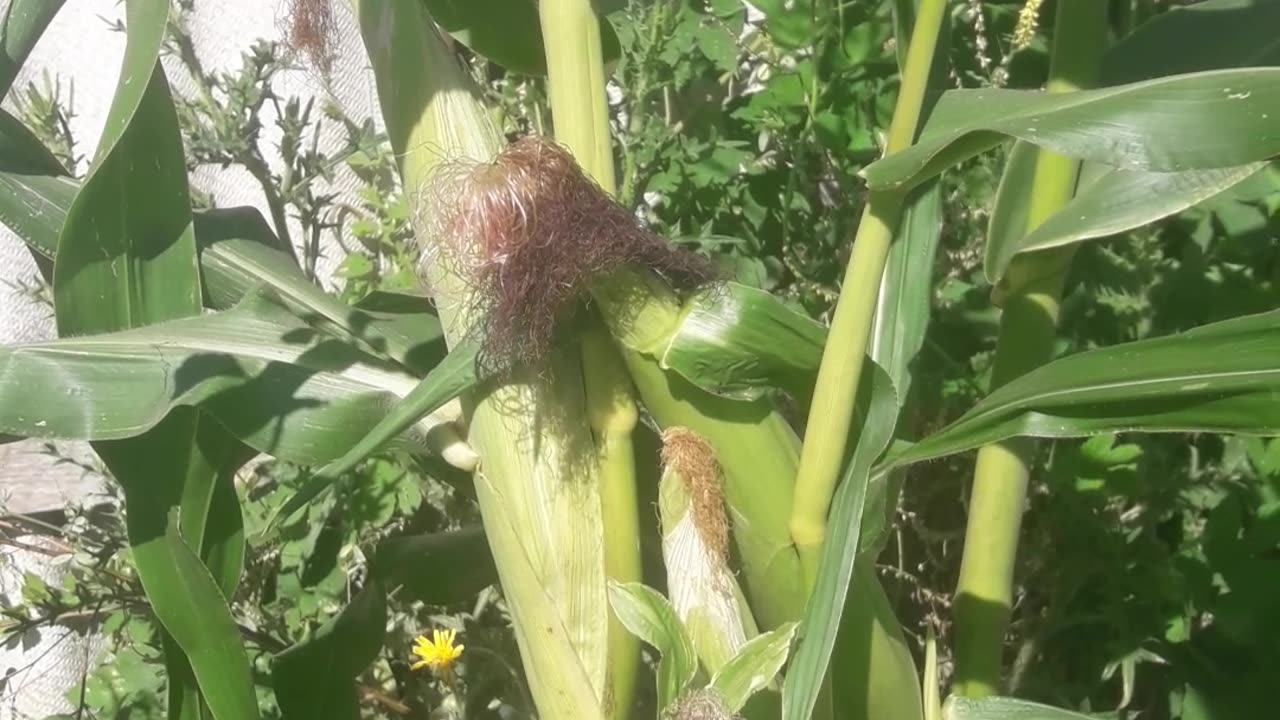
[273, 381]
[906, 289]
[1003, 708]
[238, 253]
[506, 32]
[1197, 121]
[185, 597]
[1213, 35]
[455, 375]
[754, 667]
[315, 678]
[127, 258]
[1116, 201]
[417, 563]
[736, 340]
[821, 621]
[648, 616]
[1221, 377]
[23, 24]
[1008, 222]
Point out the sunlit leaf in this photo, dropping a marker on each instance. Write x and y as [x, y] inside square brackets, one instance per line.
[736, 341]
[275, 382]
[1204, 120]
[1003, 708]
[1221, 377]
[754, 667]
[649, 616]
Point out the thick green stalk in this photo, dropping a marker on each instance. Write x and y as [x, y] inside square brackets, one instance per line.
[1028, 328]
[832, 411]
[580, 116]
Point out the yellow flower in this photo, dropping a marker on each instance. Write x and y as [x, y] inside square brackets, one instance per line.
[439, 652]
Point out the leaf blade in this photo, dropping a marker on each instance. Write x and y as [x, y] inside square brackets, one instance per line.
[1203, 120]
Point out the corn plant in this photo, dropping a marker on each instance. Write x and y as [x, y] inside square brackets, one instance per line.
[562, 330]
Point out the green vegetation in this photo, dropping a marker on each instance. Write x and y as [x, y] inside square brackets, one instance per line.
[789, 384]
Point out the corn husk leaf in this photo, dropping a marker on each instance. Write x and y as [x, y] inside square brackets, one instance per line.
[651, 618]
[704, 593]
[537, 484]
[754, 667]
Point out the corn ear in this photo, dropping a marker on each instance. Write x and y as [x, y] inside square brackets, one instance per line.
[702, 588]
[537, 483]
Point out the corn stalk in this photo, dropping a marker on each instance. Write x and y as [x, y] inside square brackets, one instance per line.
[1028, 325]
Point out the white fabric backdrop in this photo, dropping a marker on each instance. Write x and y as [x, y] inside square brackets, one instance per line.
[82, 52]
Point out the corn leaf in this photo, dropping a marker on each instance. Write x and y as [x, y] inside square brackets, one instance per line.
[1003, 708]
[754, 667]
[1211, 35]
[508, 32]
[456, 374]
[737, 340]
[1221, 377]
[1203, 36]
[238, 252]
[273, 381]
[316, 677]
[1114, 202]
[416, 563]
[1198, 121]
[127, 258]
[822, 617]
[906, 289]
[648, 616]
[23, 23]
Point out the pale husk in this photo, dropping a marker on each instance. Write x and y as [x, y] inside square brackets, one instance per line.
[536, 483]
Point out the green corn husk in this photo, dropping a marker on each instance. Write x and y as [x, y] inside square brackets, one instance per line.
[537, 483]
[695, 547]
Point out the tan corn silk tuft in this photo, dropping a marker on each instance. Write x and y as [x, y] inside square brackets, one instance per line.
[694, 460]
[309, 29]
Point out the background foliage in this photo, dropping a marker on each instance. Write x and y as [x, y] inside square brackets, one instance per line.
[1148, 579]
